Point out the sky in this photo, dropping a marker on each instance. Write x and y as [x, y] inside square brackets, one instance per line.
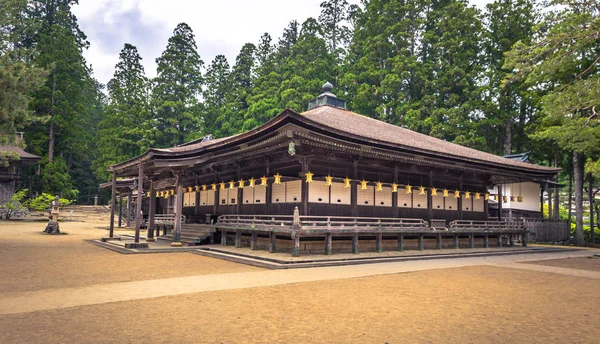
[220, 26]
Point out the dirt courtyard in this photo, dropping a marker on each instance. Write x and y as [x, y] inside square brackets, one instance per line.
[476, 304]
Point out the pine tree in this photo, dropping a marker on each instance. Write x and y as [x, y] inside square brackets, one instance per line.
[178, 87]
[562, 62]
[127, 128]
[218, 85]
[333, 20]
[507, 109]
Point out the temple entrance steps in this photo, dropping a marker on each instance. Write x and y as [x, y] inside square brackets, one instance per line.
[191, 234]
[85, 213]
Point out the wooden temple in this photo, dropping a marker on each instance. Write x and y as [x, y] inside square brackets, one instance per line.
[331, 177]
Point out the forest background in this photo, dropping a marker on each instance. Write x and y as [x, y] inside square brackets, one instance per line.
[517, 76]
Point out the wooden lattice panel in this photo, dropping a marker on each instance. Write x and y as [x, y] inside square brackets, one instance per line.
[223, 195]
[451, 203]
[318, 192]
[340, 194]
[438, 202]
[419, 201]
[192, 199]
[478, 205]
[233, 194]
[365, 197]
[210, 197]
[293, 191]
[278, 193]
[203, 198]
[404, 199]
[248, 196]
[467, 203]
[383, 198]
[260, 194]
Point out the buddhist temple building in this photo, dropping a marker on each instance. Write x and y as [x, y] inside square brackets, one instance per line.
[14, 158]
[325, 163]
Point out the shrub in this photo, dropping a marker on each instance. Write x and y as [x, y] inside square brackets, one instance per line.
[14, 207]
[42, 202]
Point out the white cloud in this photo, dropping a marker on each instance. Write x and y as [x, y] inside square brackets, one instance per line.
[221, 27]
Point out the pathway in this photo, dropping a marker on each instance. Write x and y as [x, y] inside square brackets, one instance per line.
[13, 303]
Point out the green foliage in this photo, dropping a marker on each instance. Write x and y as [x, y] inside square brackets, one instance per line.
[55, 178]
[42, 202]
[7, 157]
[14, 206]
[563, 212]
[127, 127]
[177, 87]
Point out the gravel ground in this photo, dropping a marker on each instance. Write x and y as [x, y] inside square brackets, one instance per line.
[589, 263]
[30, 260]
[476, 304]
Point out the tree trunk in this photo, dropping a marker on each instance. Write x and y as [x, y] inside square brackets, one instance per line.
[51, 133]
[591, 197]
[556, 193]
[578, 176]
[570, 196]
[508, 137]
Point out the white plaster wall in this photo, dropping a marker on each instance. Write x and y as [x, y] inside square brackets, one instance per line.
[529, 191]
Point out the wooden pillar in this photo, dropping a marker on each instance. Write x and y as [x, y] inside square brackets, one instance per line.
[472, 240]
[395, 211]
[430, 199]
[238, 238]
[401, 242]
[177, 209]
[542, 200]
[438, 241]
[420, 242]
[524, 238]
[500, 202]
[254, 241]
[140, 197]
[328, 244]
[511, 239]
[113, 199]
[456, 241]
[128, 217]
[549, 190]
[355, 243]
[379, 242]
[151, 212]
[305, 169]
[485, 240]
[499, 240]
[223, 237]
[120, 209]
[354, 198]
[459, 200]
[354, 191]
[272, 242]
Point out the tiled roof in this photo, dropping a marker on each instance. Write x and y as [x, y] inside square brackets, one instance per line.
[372, 129]
[23, 154]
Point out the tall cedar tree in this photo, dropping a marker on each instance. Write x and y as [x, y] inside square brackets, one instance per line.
[63, 99]
[334, 23]
[563, 61]
[127, 127]
[507, 109]
[178, 86]
[18, 76]
[217, 84]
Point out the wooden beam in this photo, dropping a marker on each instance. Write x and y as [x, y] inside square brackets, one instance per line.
[177, 210]
[113, 198]
[151, 212]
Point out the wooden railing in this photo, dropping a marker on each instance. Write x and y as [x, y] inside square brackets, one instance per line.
[508, 226]
[355, 227]
[166, 219]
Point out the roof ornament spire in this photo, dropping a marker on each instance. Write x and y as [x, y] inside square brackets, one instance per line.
[327, 98]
